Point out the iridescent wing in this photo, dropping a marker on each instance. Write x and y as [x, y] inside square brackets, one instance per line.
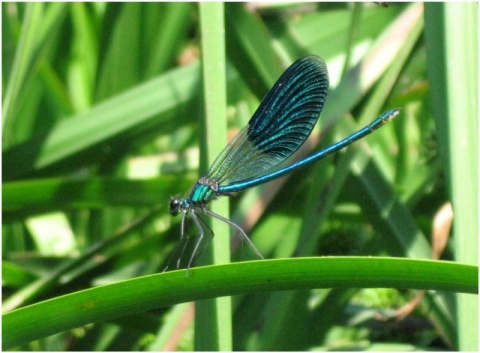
[281, 124]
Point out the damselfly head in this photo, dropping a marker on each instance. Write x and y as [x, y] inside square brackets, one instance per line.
[175, 206]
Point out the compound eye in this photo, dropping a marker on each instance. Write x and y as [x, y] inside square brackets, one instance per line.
[174, 207]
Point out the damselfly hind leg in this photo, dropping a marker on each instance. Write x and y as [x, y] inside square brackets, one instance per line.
[244, 236]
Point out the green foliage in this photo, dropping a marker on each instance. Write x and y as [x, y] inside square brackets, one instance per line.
[102, 111]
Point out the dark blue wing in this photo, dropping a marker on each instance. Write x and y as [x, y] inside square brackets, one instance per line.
[281, 124]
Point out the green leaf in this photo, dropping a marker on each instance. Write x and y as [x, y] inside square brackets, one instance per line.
[150, 292]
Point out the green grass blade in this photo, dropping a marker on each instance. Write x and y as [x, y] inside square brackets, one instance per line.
[455, 107]
[30, 197]
[213, 318]
[171, 29]
[127, 111]
[21, 65]
[149, 292]
[250, 48]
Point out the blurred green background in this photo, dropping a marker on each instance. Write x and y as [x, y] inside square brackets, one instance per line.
[102, 112]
